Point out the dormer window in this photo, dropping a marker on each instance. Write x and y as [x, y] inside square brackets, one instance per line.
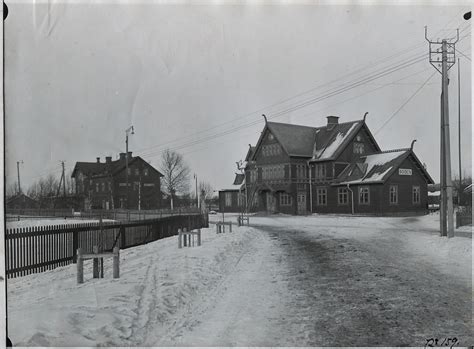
[358, 148]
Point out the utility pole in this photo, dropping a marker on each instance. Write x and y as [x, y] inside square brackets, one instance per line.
[18, 173]
[127, 131]
[64, 179]
[197, 198]
[445, 62]
[459, 131]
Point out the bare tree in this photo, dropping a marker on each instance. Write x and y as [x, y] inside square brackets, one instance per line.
[176, 174]
[206, 191]
[11, 190]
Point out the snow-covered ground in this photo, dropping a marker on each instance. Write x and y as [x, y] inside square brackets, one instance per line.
[284, 281]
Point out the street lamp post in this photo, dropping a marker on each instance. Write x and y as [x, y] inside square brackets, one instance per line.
[127, 132]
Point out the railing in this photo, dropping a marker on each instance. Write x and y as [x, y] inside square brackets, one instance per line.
[37, 249]
[464, 217]
[119, 214]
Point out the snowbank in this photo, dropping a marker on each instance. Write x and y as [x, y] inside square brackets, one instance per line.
[158, 282]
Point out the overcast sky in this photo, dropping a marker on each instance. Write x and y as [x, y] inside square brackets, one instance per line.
[193, 78]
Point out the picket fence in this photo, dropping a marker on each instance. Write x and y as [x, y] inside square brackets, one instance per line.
[37, 249]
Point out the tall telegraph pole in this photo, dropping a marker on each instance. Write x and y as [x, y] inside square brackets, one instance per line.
[459, 131]
[442, 58]
[18, 173]
[127, 132]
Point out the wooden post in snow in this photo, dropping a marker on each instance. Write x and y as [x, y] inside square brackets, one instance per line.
[80, 269]
[116, 263]
[95, 263]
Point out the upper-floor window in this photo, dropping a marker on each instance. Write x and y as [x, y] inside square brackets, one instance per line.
[103, 186]
[270, 172]
[253, 176]
[321, 196]
[416, 194]
[393, 194]
[300, 171]
[364, 196]
[129, 171]
[358, 148]
[320, 171]
[137, 172]
[271, 149]
[110, 186]
[145, 172]
[97, 187]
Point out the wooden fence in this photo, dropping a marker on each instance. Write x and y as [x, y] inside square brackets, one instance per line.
[463, 218]
[119, 214]
[37, 249]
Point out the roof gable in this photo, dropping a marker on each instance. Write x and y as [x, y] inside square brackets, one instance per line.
[379, 167]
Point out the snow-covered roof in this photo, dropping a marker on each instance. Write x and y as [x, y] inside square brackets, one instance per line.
[434, 193]
[335, 142]
[377, 167]
[316, 143]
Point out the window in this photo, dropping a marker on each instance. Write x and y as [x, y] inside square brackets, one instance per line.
[285, 199]
[145, 172]
[110, 186]
[103, 186]
[342, 196]
[253, 176]
[228, 199]
[273, 172]
[393, 194]
[320, 171]
[300, 171]
[321, 196]
[129, 171]
[241, 199]
[358, 148]
[137, 172]
[364, 196]
[416, 195]
[97, 187]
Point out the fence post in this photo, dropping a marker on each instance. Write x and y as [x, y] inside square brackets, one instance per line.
[75, 242]
[116, 264]
[95, 263]
[80, 266]
[185, 237]
[122, 237]
[180, 245]
[199, 237]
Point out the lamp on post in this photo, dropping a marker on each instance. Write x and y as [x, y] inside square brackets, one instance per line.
[127, 132]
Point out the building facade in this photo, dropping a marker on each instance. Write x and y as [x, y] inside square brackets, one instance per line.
[337, 168]
[103, 185]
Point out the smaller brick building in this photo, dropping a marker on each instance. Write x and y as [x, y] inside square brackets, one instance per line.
[103, 185]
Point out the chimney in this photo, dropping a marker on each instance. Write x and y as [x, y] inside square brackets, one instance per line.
[122, 156]
[129, 155]
[108, 159]
[332, 121]
[98, 160]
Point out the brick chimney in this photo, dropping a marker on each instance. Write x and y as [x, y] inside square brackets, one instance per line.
[122, 156]
[129, 155]
[98, 160]
[332, 121]
[108, 159]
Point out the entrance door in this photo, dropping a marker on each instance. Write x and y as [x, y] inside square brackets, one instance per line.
[301, 198]
[271, 202]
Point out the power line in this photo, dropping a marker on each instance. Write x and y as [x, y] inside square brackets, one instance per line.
[405, 103]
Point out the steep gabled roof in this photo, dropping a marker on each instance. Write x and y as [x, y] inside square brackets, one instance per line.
[318, 143]
[377, 168]
[331, 142]
[296, 140]
[107, 169]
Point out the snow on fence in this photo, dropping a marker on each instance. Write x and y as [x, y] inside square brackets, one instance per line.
[40, 248]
